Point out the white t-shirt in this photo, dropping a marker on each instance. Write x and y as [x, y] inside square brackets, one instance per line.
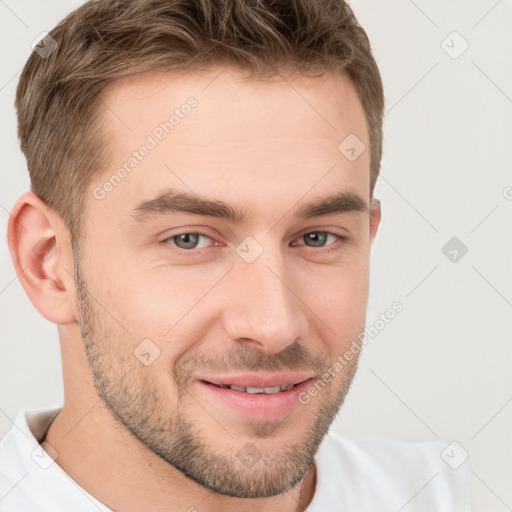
[352, 475]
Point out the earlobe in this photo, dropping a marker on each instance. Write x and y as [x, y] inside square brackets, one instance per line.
[42, 257]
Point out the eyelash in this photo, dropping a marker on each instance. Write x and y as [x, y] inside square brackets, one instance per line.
[340, 238]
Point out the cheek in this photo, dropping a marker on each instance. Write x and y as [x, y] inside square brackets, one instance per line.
[340, 305]
[165, 303]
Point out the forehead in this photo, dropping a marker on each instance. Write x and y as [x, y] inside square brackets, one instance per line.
[220, 134]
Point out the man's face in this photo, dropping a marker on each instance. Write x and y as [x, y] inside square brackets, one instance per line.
[177, 301]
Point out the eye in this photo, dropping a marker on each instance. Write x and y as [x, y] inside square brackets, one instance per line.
[319, 238]
[192, 241]
[188, 241]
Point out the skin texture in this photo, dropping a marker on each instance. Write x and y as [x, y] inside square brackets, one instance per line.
[149, 437]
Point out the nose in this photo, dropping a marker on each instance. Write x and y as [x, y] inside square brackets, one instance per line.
[264, 309]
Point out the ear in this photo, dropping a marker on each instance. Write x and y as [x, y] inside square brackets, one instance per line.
[41, 252]
[375, 217]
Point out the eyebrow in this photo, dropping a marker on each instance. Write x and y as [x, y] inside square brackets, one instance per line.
[173, 201]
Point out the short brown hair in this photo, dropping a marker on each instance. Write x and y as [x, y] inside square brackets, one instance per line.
[58, 97]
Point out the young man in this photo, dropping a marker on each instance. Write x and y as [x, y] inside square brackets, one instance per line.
[199, 228]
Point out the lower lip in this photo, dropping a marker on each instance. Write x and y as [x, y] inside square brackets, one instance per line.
[258, 406]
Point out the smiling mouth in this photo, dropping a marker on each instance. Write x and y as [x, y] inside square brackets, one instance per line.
[255, 390]
[257, 396]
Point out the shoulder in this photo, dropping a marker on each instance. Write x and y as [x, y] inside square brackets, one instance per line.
[30, 477]
[365, 474]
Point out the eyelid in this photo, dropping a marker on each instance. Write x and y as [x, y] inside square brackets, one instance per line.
[330, 231]
[189, 232]
[338, 236]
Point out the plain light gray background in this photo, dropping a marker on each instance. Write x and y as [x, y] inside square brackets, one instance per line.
[442, 368]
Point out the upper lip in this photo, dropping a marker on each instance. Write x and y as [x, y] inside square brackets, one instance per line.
[259, 380]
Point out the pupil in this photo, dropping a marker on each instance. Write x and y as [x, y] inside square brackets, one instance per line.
[189, 240]
[317, 238]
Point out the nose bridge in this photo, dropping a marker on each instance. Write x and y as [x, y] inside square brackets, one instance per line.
[264, 308]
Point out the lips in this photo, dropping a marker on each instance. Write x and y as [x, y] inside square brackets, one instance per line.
[258, 396]
[259, 382]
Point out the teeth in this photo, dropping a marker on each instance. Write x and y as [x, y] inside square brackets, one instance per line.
[254, 390]
[267, 391]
